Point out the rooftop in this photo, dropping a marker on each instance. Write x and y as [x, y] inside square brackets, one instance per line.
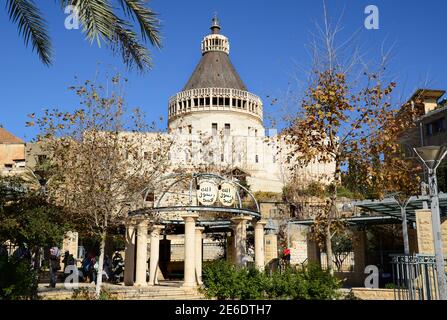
[215, 69]
[7, 137]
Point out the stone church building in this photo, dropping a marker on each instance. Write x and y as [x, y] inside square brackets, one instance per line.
[216, 112]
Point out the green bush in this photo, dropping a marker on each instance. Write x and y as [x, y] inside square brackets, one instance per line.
[320, 284]
[223, 280]
[18, 280]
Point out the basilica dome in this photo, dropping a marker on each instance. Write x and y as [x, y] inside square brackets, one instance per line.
[215, 97]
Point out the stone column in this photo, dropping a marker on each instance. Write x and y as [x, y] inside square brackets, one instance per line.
[240, 239]
[271, 247]
[259, 245]
[129, 254]
[359, 248]
[199, 258]
[155, 254]
[190, 250]
[424, 231]
[141, 252]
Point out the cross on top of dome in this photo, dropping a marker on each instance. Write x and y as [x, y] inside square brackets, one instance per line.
[215, 27]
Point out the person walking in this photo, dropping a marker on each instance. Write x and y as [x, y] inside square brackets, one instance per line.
[94, 265]
[55, 265]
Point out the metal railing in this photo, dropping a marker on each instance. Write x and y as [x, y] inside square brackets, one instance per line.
[414, 277]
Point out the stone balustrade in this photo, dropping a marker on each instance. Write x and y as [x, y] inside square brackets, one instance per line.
[215, 42]
[214, 99]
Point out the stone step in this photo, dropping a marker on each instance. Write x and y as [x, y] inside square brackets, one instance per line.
[144, 295]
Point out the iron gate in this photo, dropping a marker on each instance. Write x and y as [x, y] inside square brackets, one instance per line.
[414, 277]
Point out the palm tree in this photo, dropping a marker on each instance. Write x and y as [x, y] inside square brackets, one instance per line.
[100, 23]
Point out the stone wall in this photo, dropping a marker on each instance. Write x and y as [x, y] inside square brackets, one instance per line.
[271, 247]
[70, 243]
[425, 233]
[373, 294]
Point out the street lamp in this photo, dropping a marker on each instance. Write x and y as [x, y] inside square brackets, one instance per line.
[432, 157]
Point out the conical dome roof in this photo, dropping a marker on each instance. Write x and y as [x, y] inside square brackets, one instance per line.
[215, 69]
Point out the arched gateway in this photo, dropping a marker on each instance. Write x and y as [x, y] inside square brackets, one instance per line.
[204, 203]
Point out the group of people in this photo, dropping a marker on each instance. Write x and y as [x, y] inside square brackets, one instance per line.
[113, 270]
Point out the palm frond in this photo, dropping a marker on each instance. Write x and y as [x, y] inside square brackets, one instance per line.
[148, 20]
[100, 22]
[31, 26]
[97, 18]
[132, 51]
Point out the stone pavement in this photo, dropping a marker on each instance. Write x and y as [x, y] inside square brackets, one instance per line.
[166, 290]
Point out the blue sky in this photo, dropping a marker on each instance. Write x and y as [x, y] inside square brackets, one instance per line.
[267, 41]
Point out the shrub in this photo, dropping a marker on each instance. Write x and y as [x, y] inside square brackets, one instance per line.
[286, 285]
[18, 280]
[321, 285]
[222, 280]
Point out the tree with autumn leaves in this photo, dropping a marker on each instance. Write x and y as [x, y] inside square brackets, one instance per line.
[98, 155]
[346, 117]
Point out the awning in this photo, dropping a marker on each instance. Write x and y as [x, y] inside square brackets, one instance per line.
[357, 221]
[391, 207]
[387, 211]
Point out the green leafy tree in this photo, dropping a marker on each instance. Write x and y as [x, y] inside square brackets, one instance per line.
[100, 21]
[27, 218]
[18, 280]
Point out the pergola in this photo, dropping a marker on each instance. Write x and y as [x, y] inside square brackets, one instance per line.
[194, 212]
[356, 221]
[388, 211]
[392, 208]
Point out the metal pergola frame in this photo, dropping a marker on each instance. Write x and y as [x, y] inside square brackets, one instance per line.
[355, 221]
[191, 179]
[391, 206]
[388, 211]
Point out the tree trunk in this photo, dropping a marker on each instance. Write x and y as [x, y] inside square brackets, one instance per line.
[332, 214]
[100, 264]
[330, 263]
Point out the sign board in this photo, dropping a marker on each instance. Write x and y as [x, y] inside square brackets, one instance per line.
[227, 194]
[207, 193]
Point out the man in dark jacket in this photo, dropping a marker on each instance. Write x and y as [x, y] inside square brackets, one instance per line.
[55, 265]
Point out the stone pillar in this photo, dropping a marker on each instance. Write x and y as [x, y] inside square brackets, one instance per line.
[313, 251]
[424, 231]
[359, 248]
[141, 252]
[155, 254]
[259, 245]
[199, 247]
[271, 247]
[70, 243]
[129, 254]
[190, 250]
[240, 239]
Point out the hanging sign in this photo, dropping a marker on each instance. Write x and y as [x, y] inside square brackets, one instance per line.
[227, 194]
[207, 193]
